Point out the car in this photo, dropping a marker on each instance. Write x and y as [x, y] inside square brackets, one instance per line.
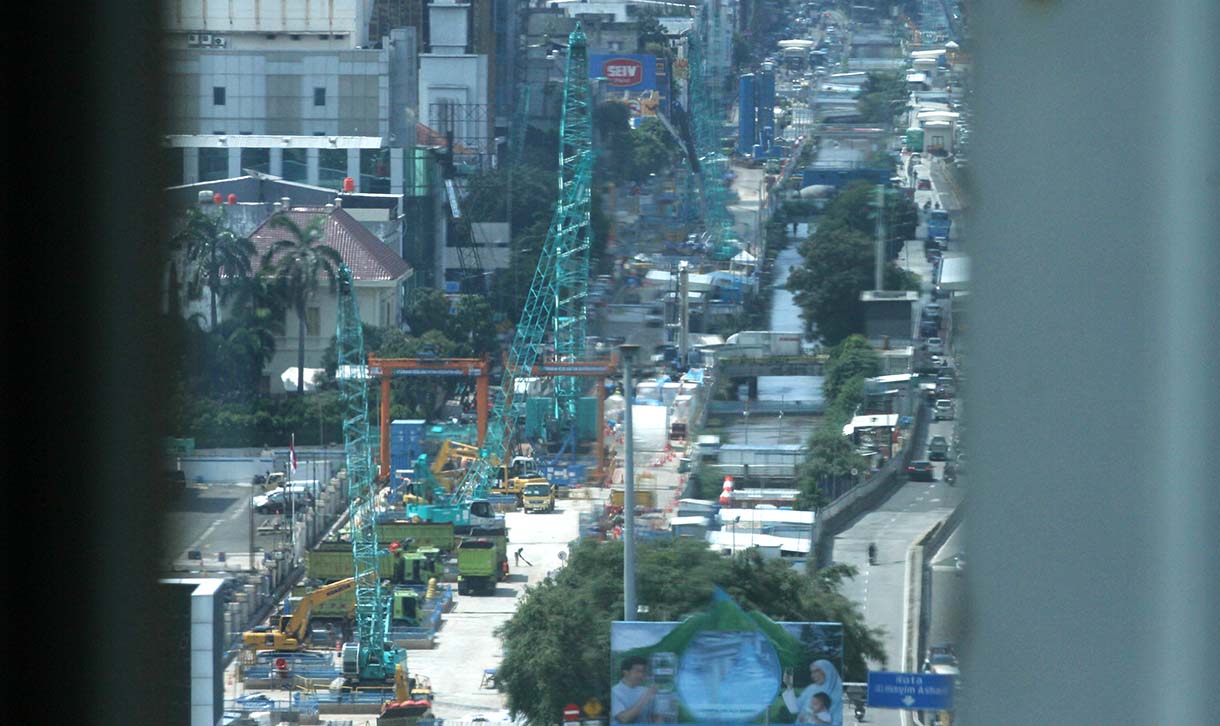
[940, 657]
[934, 345]
[921, 471]
[938, 448]
[924, 183]
[933, 311]
[283, 499]
[942, 410]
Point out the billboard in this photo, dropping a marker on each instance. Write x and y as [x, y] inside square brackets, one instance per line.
[726, 666]
[637, 80]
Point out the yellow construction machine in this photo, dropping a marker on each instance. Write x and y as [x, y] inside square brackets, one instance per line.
[290, 633]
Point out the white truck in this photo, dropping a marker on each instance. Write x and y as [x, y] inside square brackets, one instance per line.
[771, 342]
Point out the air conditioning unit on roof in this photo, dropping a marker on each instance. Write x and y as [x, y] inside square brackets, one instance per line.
[192, 38]
[219, 41]
[205, 39]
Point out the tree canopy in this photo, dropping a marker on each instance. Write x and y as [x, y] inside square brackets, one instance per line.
[557, 644]
[839, 261]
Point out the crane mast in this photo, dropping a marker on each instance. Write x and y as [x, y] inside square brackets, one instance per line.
[707, 117]
[368, 659]
[556, 299]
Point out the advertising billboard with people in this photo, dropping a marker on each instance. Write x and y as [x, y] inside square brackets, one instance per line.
[727, 666]
[637, 80]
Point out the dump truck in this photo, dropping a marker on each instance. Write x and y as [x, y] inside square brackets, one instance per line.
[479, 567]
[538, 497]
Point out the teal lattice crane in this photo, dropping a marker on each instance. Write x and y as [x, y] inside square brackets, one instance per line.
[570, 227]
[368, 659]
[555, 303]
[707, 115]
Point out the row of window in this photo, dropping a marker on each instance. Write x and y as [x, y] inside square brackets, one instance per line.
[218, 96]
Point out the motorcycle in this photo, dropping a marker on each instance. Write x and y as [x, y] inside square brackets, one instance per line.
[859, 712]
[950, 475]
[872, 554]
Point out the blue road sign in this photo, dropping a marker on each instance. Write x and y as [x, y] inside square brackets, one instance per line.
[910, 691]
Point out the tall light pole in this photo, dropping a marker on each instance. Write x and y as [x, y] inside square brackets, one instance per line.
[627, 353]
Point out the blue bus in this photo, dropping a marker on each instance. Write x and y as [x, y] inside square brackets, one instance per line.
[938, 224]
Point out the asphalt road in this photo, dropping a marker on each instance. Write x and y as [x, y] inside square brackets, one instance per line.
[893, 526]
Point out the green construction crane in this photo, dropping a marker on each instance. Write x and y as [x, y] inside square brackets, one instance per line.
[370, 659]
[707, 115]
[555, 303]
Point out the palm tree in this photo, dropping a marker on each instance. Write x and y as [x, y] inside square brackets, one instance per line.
[295, 265]
[215, 255]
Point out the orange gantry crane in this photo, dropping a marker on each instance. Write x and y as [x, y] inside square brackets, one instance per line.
[387, 368]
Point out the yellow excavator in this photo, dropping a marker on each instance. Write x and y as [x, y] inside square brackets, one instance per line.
[453, 458]
[290, 633]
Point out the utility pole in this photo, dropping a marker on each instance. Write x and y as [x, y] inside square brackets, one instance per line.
[879, 266]
[684, 311]
[627, 353]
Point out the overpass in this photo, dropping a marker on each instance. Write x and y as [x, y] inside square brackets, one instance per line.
[776, 365]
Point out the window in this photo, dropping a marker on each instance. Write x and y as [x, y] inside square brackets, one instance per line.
[213, 164]
[218, 95]
[256, 159]
[319, 96]
[313, 321]
[296, 165]
[294, 37]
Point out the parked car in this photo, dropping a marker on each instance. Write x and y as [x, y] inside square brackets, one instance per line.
[934, 345]
[942, 410]
[921, 471]
[281, 499]
[933, 311]
[938, 448]
[924, 184]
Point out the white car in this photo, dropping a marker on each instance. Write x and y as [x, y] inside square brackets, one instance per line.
[280, 499]
[934, 345]
[942, 410]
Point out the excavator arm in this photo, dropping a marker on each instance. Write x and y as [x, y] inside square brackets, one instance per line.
[298, 623]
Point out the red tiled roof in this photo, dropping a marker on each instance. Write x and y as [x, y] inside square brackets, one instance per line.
[369, 258]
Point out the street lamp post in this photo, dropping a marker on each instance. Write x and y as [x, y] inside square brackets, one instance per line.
[627, 353]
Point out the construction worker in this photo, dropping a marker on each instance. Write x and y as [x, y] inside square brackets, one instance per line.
[518, 557]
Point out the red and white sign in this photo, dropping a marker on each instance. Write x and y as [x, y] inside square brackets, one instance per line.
[623, 71]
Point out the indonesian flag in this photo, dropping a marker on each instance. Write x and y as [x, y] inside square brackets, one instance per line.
[292, 452]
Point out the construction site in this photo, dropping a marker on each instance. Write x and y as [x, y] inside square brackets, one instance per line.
[414, 515]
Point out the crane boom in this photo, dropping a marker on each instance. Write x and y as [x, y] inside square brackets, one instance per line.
[368, 659]
[555, 302]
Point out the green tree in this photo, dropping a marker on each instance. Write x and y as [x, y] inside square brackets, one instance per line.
[427, 309]
[473, 326]
[556, 645]
[880, 97]
[652, 149]
[853, 358]
[214, 255]
[856, 206]
[838, 265]
[296, 265]
[831, 457]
